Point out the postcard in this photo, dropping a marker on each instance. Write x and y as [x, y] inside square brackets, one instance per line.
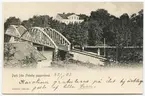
[72, 48]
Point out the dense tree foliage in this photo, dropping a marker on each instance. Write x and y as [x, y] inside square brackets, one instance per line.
[118, 31]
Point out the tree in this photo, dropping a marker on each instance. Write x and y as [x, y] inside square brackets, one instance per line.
[94, 33]
[98, 21]
[9, 51]
[82, 34]
[27, 24]
[137, 29]
[101, 16]
[38, 21]
[83, 17]
[11, 21]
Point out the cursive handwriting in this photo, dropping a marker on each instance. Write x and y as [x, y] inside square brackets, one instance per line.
[59, 81]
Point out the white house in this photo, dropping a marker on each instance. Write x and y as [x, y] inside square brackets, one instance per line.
[68, 18]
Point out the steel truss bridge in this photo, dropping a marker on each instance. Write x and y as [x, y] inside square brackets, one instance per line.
[42, 36]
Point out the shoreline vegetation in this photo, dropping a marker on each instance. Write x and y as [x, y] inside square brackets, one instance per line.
[72, 64]
[75, 63]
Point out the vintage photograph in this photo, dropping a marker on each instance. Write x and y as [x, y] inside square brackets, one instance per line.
[74, 36]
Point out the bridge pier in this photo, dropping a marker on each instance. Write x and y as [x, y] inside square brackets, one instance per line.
[69, 47]
[55, 54]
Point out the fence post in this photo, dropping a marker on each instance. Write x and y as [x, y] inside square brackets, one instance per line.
[98, 51]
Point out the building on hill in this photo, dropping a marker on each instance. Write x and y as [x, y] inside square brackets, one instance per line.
[68, 18]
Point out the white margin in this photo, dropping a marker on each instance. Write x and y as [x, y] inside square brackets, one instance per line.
[1, 34]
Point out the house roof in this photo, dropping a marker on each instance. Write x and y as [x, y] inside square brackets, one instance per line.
[65, 16]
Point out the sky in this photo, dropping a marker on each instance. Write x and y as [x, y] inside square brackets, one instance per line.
[25, 10]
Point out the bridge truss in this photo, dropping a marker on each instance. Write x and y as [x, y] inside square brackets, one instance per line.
[43, 36]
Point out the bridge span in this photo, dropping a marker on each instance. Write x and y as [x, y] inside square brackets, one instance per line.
[50, 40]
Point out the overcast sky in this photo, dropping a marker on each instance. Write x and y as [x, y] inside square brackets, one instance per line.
[27, 10]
